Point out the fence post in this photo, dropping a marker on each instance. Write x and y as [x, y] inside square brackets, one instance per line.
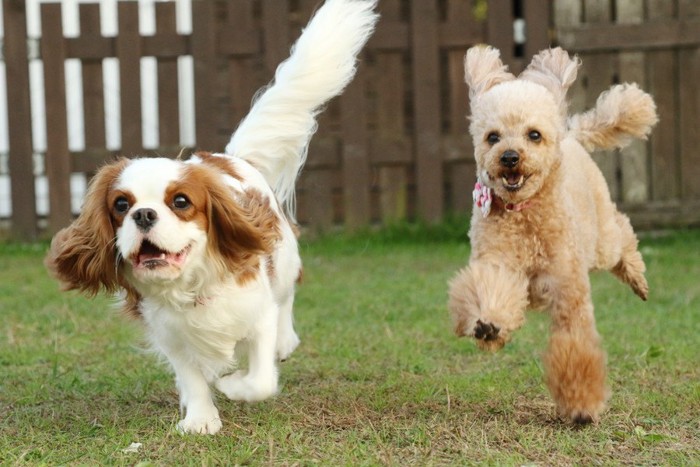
[24, 225]
[57, 158]
[426, 104]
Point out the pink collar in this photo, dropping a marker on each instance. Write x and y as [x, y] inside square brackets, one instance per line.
[484, 198]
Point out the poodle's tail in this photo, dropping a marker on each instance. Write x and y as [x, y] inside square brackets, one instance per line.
[622, 113]
[275, 135]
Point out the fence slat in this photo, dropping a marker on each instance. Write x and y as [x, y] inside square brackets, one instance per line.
[459, 152]
[599, 70]
[390, 137]
[665, 169]
[205, 64]
[128, 48]
[93, 83]
[168, 105]
[355, 155]
[243, 80]
[633, 159]
[57, 159]
[24, 225]
[426, 107]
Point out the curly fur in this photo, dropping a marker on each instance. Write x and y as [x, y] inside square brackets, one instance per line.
[564, 224]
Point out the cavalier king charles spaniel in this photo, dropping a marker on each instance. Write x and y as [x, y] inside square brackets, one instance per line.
[204, 251]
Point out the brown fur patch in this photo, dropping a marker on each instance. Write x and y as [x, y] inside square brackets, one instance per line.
[83, 256]
[241, 227]
[221, 163]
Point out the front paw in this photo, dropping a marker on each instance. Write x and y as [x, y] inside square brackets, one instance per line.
[488, 336]
[200, 424]
[286, 345]
[240, 387]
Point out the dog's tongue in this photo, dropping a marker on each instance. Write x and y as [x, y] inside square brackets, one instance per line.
[513, 178]
[151, 256]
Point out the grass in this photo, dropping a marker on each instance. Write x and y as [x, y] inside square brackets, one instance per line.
[378, 380]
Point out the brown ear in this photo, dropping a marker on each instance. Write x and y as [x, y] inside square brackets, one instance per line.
[83, 255]
[242, 227]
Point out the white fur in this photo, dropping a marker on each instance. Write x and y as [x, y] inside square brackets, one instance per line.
[275, 135]
[206, 254]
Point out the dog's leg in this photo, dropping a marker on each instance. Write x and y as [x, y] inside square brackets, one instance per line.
[488, 302]
[201, 416]
[287, 339]
[574, 361]
[260, 382]
[630, 269]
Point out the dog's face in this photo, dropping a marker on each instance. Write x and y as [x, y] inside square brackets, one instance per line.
[517, 123]
[159, 213]
[158, 222]
[516, 130]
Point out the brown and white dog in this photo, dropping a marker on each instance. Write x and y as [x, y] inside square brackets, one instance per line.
[205, 251]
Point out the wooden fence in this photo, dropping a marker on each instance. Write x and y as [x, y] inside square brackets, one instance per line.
[395, 145]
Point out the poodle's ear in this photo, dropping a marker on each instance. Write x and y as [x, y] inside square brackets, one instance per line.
[83, 255]
[555, 70]
[484, 69]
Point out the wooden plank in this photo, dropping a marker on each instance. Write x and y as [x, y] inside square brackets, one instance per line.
[276, 39]
[205, 63]
[688, 118]
[568, 14]
[57, 158]
[93, 84]
[458, 146]
[168, 91]
[355, 154]
[659, 34]
[538, 17]
[634, 159]
[242, 82]
[426, 105]
[391, 150]
[21, 167]
[599, 72]
[128, 48]
[665, 167]
[499, 32]
[689, 108]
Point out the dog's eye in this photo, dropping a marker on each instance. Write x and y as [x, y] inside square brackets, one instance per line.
[534, 136]
[121, 205]
[493, 138]
[181, 202]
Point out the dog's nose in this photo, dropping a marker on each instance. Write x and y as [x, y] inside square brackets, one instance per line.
[510, 159]
[145, 218]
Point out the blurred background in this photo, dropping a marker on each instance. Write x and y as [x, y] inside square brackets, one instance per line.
[82, 82]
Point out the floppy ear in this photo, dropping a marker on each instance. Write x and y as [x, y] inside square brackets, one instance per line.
[555, 70]
[484, 69]
[83, 255]
[242, 227]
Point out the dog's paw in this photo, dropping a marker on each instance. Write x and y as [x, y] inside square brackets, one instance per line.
[240, 387]
[286, 345]
[488, 336]
[200, 424]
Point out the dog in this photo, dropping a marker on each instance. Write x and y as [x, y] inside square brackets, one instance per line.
[543, 217]
[204, 251]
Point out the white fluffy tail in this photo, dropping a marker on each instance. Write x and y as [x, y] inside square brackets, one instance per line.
[622, 113]
[274, 136]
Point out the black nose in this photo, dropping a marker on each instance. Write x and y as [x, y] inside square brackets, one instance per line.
[510, 159]
[145, 218]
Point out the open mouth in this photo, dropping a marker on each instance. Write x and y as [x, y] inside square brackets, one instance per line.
[151, 256]
[513, 181]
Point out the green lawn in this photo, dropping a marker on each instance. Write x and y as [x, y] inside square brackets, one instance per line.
[379, 377]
